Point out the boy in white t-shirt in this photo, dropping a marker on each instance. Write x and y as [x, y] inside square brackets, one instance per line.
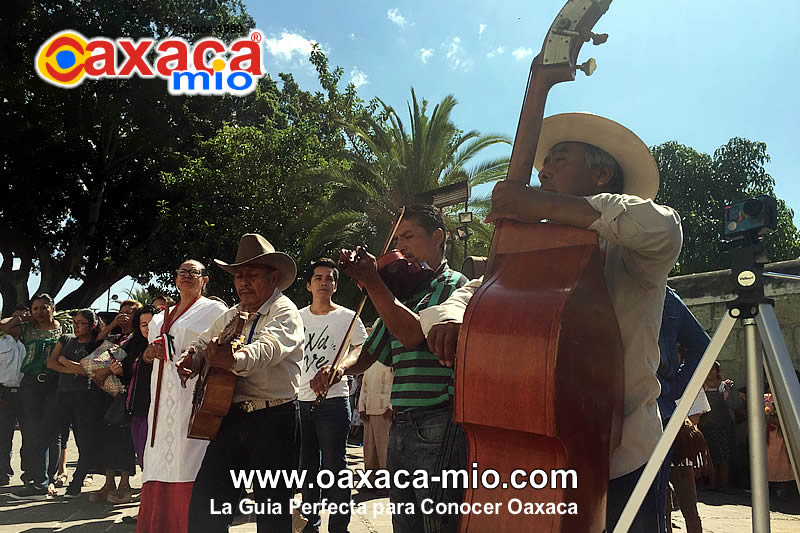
[324, 432]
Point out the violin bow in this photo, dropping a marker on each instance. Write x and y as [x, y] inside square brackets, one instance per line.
[346, 342]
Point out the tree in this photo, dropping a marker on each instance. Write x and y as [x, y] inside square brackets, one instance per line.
[386, 165]
[82, 165]
[699, 186]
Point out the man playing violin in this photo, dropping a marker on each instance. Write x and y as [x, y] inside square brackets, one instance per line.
[597, 174]
[423, 434]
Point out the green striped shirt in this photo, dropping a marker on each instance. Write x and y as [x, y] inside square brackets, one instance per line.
[419, 379]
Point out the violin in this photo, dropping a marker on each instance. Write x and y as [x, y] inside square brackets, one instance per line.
[400, 275]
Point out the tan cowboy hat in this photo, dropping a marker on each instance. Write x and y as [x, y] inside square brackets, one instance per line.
[634, 157]
[256, 250]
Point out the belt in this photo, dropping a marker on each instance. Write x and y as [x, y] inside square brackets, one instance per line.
[9, 389]
[248, 406]
[42, 378]
[402, 416]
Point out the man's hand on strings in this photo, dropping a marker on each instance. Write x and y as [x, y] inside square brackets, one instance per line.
[359, 265]
[319, 383]
[513, 200]
[443, 341]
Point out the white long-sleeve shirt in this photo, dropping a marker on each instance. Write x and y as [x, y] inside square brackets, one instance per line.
[269, 364]
[642, 241]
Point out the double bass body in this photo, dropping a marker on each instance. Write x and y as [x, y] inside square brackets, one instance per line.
[539, 379]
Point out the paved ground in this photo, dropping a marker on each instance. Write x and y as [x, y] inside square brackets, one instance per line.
[721, 513]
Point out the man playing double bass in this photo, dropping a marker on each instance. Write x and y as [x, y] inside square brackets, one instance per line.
[260, 430]
[423, 435]
[598, 175]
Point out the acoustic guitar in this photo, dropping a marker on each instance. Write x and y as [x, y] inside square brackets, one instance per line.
[213, 391]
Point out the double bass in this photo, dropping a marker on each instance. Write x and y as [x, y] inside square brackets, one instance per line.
[538, 382]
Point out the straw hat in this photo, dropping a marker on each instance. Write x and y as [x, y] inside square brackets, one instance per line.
[634, 157]
[256, 250]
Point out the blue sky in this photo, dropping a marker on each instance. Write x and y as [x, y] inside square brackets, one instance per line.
[694, 72]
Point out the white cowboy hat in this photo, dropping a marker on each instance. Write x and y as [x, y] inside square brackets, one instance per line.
[634, 157]
[256, 250]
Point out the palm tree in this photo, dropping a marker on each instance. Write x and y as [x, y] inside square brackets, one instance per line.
[387, 165]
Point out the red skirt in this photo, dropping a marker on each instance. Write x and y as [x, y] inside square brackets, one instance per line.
[164, 507]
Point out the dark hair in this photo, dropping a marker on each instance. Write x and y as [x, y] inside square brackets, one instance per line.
[322, 262]
[137, 343]
[96, 325]
[43, 296]
[427, 216]
[167, 299]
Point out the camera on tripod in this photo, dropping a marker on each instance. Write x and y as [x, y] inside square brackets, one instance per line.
[754, 218]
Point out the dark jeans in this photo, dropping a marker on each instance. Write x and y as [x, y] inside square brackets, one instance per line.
[266, 439]
[83, 410]
[425, 439]
[10, 412]
[324, 433]
[39, 461]
[619, 491]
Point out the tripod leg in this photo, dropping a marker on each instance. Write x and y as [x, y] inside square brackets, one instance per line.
[783, 383]
[756, 430]
[674, 425]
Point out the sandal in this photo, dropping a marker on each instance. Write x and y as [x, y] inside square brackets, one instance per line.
[102, 495]
[87, 481]
[61, 480]
[119, 496]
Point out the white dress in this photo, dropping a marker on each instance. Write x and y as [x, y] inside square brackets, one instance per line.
[175, 458]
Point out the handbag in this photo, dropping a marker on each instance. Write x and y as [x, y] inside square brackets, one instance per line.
[101, 358]
[117, 412]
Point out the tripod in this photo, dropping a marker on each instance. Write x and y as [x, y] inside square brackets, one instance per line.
[754, 310]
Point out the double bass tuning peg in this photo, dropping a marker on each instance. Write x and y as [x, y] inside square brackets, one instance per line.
[598, 38]
[588, 67]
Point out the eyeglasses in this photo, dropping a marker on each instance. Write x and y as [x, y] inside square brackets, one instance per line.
[191, 273]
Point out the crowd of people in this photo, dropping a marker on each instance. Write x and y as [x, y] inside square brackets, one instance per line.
[290, 408]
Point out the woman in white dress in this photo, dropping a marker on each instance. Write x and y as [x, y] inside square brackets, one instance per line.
[171, 460]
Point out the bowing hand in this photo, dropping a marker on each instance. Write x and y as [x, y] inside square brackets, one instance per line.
[319, 383]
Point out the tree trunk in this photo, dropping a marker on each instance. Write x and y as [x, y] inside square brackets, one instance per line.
[90, 290]
[14, 283]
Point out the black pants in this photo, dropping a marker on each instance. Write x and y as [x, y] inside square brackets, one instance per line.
[262, 440]
[39, 460]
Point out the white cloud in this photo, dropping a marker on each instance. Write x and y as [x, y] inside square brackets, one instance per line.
[357, 77]
[496, 52]
[395, 16]
[455, 54]
[522, 53]
[352, 36]
[425, 54]
[481, 29]
[289, 46]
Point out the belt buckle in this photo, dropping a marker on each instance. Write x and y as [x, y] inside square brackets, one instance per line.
[41, 378]
[248, 406]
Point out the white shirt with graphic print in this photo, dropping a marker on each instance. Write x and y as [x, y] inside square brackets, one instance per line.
[324, 334]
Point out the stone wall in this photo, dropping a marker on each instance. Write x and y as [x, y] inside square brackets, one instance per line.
[706, 295]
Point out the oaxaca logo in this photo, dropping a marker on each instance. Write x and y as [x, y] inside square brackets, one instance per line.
[208, 67]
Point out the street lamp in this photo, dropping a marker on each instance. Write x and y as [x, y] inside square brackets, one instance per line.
[463, 230]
